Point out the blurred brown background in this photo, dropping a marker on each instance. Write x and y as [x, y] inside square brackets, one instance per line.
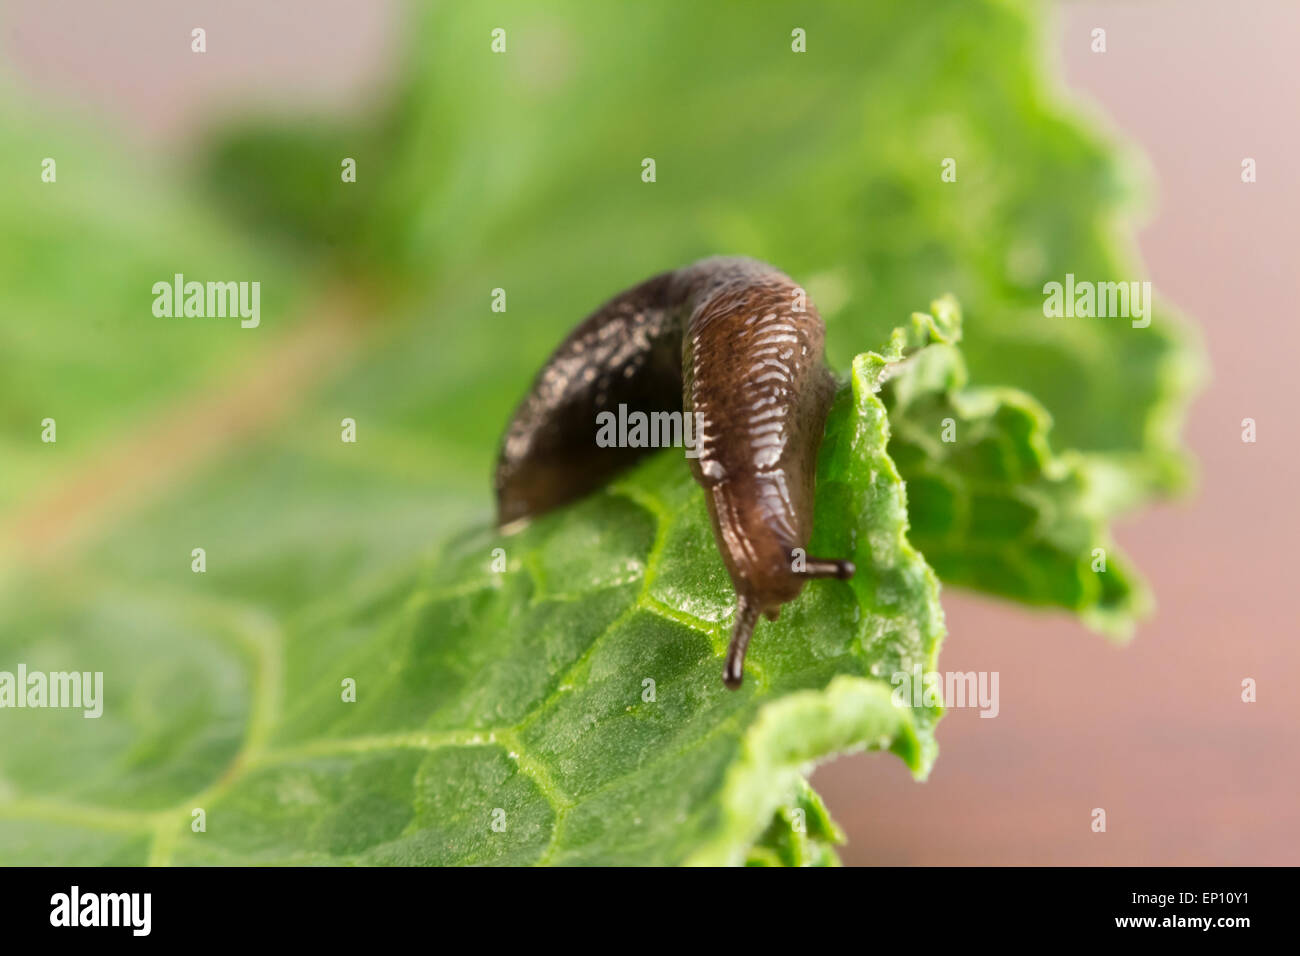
[1155, 733]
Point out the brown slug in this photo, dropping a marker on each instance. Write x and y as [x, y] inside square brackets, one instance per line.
[722, 340]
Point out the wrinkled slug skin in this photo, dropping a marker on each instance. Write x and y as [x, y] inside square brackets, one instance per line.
[628, 351]
[720, 339]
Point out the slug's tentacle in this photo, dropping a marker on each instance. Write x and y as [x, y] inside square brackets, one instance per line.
[828, 568]
[733, 670]
[734, 343]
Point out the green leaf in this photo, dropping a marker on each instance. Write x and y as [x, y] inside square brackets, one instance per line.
[523, 171]
[575, 698]
[78, 258]
[802, 834]
[827, 163]
[992, 506]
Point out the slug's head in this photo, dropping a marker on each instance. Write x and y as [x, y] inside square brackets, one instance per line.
[750, 604]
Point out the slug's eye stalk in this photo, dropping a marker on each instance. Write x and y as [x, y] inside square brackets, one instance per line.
[828, 568]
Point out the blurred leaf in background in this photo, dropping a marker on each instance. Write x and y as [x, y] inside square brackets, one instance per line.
[522, 171]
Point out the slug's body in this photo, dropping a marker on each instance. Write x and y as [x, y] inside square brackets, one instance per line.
[722, 340]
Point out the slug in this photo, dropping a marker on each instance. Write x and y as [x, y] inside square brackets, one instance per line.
[722, 340]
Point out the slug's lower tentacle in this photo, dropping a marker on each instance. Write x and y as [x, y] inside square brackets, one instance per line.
[733, 670]
[736, 345]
